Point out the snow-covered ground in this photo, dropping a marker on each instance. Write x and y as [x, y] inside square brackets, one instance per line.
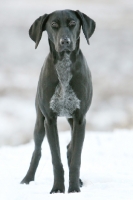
[107, 169]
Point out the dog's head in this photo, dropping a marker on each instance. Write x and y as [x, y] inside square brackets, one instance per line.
[63, 28]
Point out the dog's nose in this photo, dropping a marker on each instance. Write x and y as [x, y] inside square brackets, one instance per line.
[65, 41]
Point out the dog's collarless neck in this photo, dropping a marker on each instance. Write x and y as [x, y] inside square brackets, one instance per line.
[64, 100]
[63, 69]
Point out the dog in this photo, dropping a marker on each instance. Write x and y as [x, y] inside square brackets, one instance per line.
[64, 89]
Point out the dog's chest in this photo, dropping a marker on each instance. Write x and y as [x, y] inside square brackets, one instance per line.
[64, 101]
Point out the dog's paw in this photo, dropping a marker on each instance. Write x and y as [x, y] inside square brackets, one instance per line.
[58, 189]
[80, 183]
[26, 180]
[73, 190]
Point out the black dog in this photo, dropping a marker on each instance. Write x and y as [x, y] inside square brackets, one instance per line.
[64, 89]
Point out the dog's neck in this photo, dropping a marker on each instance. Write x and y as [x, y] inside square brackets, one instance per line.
[64, 100]
[63, 63]
[63, 68]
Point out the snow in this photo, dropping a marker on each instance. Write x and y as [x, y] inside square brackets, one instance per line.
[107, 163]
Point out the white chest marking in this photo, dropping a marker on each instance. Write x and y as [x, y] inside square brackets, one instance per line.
[64, 101]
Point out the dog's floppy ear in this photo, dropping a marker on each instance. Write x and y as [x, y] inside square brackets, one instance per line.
[37, 28]
[88, 25]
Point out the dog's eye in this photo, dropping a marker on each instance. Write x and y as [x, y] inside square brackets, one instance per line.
[72, 23]
[54, 25]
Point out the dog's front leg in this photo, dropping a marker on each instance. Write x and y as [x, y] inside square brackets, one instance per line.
[52, 134]
[76, 149]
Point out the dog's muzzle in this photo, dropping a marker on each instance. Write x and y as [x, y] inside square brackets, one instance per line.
[65, 44]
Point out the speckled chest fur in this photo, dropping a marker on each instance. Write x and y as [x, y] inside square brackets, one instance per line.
[64, 101]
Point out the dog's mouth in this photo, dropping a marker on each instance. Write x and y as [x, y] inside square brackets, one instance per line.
[66, 49]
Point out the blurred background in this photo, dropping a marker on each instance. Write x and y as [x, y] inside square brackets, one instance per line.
[109, 55]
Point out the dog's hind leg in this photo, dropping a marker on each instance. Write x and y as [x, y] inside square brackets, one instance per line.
[69, 149]
[39, 133]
